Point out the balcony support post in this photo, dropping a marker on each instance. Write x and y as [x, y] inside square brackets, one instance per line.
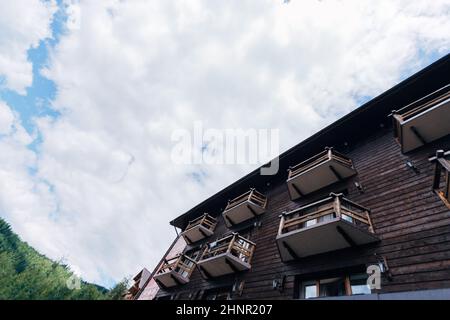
[418, 135]
[289, 249]
[437, 175]
[230, 245]
[282, 220]
[337, 204]
[371, 229]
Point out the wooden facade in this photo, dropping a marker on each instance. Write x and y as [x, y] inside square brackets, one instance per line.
[395, 200]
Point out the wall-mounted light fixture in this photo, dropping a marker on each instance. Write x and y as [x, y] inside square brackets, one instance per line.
[359, 187]
[238, 287]
[411, 165]
[278, 283]
[257, 224]
[383, 265]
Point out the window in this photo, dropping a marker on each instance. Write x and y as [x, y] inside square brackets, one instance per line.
[223, 293]
[309, 290]
[333, 287]
[345, 285]
[358, 284]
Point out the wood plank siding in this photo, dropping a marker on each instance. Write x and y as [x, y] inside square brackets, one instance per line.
[410, 219]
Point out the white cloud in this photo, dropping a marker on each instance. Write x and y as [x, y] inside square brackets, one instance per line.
[129, 73]
[23, 23]
[6, 119]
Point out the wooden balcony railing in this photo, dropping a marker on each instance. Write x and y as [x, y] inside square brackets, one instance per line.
[233, 244]
[423, 121]
[252, 196]
[327, 154]
[423, 104]
[181, 264]
[245, 207]
[329, 208]
[330, 224]
[317, 172]
[205, 220]
[441, 179]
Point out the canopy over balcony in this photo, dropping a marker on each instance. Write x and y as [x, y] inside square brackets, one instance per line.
[175, 271]
[199, 228]
[317, 172]
[423, 121]
[330, 224]
[244, 207]
[230, 254]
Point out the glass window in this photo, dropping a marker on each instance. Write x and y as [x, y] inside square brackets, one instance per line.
[218, 294]
[332, 287]
[326, 217]
[310, 223]
[347, 218]
[359, 284]
[309, 290]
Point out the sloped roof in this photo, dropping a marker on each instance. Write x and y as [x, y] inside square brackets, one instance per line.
[348, 130]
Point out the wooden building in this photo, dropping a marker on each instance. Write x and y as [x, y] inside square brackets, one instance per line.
[371, 189]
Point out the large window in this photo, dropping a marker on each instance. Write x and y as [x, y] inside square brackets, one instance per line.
[346, 285]
[223, 293]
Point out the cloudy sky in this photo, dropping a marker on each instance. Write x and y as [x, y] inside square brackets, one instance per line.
[91, 92]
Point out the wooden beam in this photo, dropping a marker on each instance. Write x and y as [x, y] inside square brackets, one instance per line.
[289, 249]
[437, 175]
[346, 236]
[229, 220]
[297, 189]
[338, 176]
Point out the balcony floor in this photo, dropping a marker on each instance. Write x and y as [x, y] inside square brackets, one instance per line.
[431, 124]
[217, 266]
[168, 279]
[196, 233]
[242, 212]
[318, 177]
[322, 237]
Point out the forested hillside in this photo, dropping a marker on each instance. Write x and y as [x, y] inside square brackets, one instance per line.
[27, 274]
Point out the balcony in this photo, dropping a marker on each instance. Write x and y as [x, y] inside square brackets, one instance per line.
[441, 179]
[317, 172]
[330, 224]
[139, 282]
[199, 228]
[244, 207]
[175, 271]
[423, 121]
[230, 254]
